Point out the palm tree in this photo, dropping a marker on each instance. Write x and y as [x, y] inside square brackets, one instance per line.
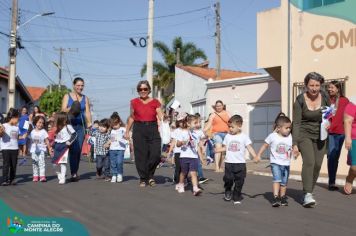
[163, 72]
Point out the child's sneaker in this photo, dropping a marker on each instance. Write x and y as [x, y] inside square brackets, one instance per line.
[276, 201]
[35, 179]
[228, 195]
[119, 178]
[43, 179]
[107, 179]
[62, 179]
[237, 202]
[284, 201]
[113, 179]
[196, 191]
[180, 188]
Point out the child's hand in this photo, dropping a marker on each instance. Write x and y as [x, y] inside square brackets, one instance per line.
[68, 143]
[107, 145]
[127, 135]
[2, 130]
[295, 152]
[257, 159]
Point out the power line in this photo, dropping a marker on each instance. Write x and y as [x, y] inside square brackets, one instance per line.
[124, 20]
[39, 67]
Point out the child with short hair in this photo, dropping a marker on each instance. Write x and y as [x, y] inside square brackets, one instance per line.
[189, 158]
[9, 135]
[117, 148]
[40, 143]
[102, 144]
[65, 135]
[280, 144]
[235, 144]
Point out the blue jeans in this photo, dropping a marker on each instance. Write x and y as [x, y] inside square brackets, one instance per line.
[116, 162]
[280, 174]
[200, 170]
[335, 145]
[102, 165]
[75, 150]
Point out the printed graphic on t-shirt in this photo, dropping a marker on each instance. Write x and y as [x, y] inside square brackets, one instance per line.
[36, 139]
[282, 149]
[234, 146]
[13, 134]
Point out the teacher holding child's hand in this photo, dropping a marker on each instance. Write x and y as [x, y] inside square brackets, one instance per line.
[307, 118]
[144, 113]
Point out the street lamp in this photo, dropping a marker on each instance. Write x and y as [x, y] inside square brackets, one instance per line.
[12, 51]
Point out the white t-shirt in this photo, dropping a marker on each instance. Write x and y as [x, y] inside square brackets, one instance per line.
[38, 138]
[281, 148]
[9, 140]
[175, 135]
[236, 147]
[189, 150]
[117, 139]
[65, 134]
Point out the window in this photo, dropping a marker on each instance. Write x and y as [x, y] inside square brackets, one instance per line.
[299, 88]
[309, 4]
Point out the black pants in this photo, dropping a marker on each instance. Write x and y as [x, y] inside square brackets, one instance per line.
[147, 148]
[235, 173]
[103, 165]
[9, 164]
[177, 167]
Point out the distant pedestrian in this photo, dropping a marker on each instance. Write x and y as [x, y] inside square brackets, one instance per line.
[350, 144]
[279, 143]
[189, 158]
[24, 126]
[102, 144]
[336, 130]
[145, 111]
[9, 136]
[65, 137]
[307, 118]
[218, 123]
[40, 144]
[77, 105]
[36, 112]
[118, 145]
[235, 144]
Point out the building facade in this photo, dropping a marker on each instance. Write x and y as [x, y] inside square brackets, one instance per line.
[304, 36]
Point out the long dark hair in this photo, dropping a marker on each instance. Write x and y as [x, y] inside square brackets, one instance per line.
[39, 110]
[338, 85]
[12, 113]
[61, 120]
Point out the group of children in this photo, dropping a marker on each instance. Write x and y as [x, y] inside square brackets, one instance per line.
[186, 145]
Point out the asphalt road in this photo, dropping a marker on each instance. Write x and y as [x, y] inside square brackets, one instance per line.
[125, 209]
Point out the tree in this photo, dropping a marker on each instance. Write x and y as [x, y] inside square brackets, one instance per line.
[164, 72]
[51, 101]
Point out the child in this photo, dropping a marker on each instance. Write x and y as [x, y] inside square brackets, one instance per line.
[65, 136]
[102, 144]
[198, 134]
[9, 133]
[40, 143]
[117, 148]
[51, 132]
[235, 144]
[189, 158]
[280, 144]
[181, 125]
[91, 141]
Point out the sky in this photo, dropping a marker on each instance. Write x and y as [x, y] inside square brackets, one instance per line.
[96, 34]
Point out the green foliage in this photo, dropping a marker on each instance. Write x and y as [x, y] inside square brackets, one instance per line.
[52, 101]
[164, 72]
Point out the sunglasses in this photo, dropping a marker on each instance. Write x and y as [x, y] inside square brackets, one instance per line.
[142, 89]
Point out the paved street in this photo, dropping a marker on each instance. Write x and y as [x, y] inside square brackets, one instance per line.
[125, 209]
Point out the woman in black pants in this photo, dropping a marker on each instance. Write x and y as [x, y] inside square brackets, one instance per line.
[144, 113]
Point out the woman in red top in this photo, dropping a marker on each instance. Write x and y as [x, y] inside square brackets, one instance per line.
[146, 139]
[336, 131]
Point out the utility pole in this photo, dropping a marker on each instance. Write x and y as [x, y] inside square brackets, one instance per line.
[217, 40]
[61, 50]
[12, 54]
[150, 42]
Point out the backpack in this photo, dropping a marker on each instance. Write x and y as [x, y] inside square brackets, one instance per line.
[75, 108]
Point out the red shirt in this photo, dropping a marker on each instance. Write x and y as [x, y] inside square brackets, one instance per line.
[145, 112]
[337, 121]
[351, 111]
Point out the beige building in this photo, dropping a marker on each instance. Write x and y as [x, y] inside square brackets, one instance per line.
[304, 36]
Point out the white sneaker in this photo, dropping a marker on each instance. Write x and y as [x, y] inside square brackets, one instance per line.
[62, 179]
[180, 189]
[113, 179]
[58, 175]
[119, 178]
[309, 200]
